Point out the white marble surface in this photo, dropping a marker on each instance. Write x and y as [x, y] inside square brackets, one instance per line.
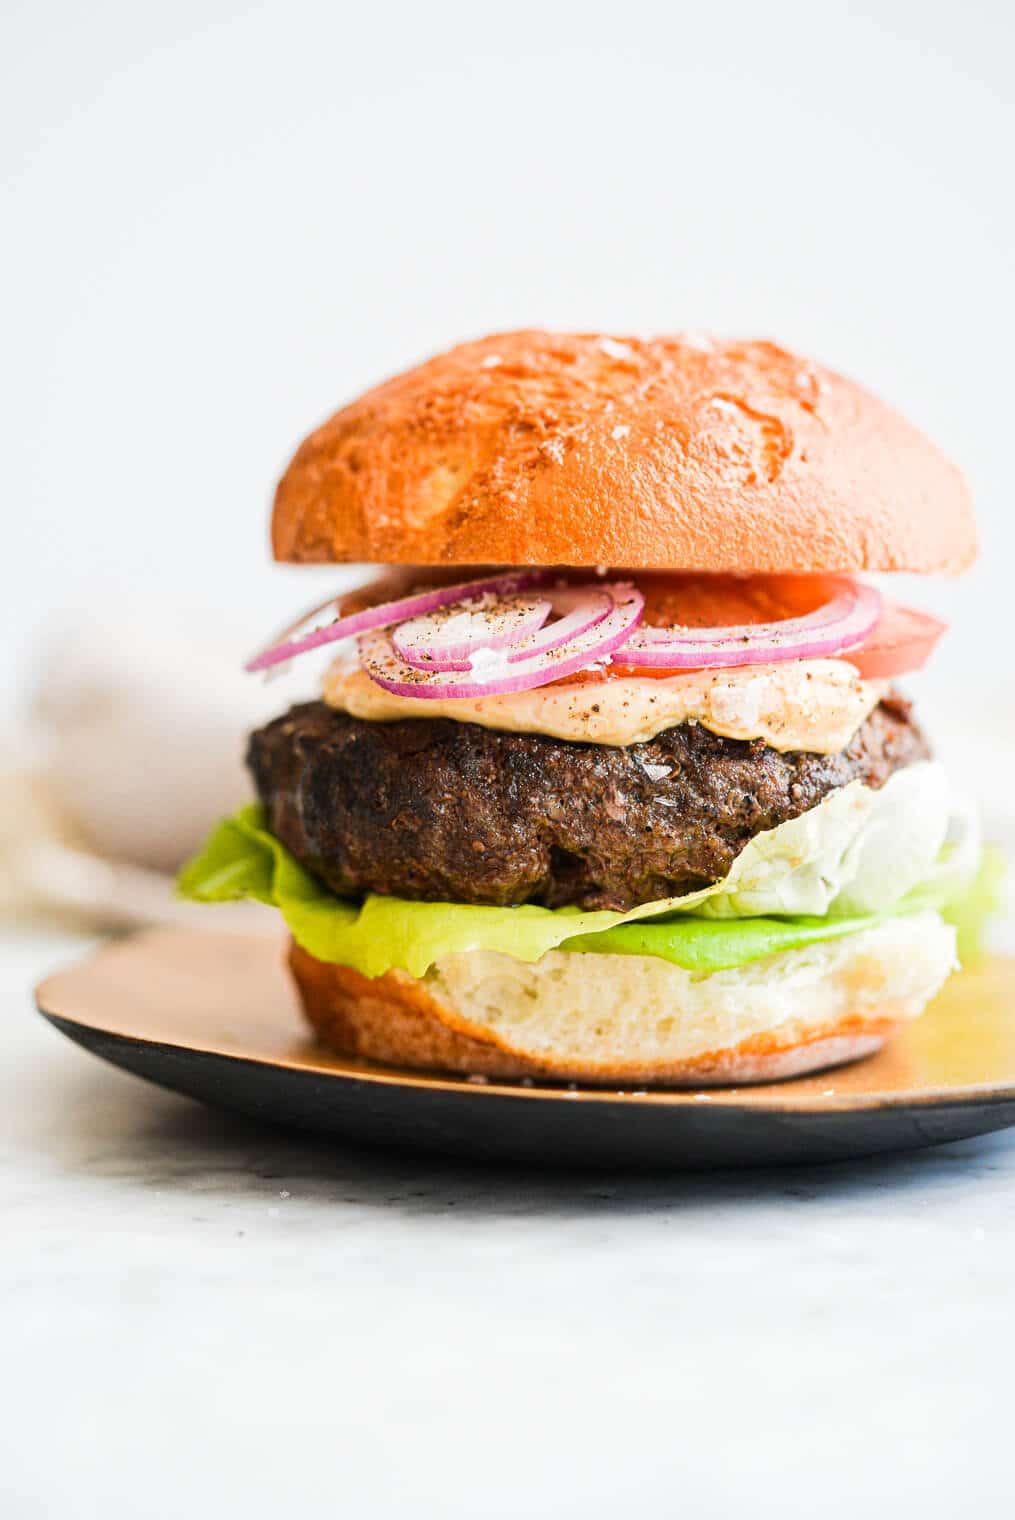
[204, 1317]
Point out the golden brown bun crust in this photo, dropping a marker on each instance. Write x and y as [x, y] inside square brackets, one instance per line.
[533, 448]
[393, 1020]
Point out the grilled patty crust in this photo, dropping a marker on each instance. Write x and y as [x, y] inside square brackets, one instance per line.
[443, 811]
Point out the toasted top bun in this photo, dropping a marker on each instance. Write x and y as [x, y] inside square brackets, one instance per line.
[535, 448]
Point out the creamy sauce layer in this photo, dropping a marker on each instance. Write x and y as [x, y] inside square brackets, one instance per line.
[802, 704]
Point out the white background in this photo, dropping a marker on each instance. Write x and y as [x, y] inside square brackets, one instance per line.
[219, 223]
[224, 220]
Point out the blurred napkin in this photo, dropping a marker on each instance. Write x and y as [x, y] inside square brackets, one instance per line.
[132, 749]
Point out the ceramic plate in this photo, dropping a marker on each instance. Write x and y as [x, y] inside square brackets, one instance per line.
[213, 1015]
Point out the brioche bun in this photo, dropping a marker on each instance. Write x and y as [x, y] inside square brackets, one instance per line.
[534, 448]
[635, 1018]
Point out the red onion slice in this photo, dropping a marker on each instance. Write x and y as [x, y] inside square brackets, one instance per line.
[840, 624]
[292, 641]
[581, 608]
[447, 639]
[493, 671]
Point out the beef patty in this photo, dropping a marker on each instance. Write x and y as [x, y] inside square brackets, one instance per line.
[436, 810]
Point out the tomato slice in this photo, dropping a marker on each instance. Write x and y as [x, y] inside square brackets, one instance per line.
[901, 643]
[723, 601]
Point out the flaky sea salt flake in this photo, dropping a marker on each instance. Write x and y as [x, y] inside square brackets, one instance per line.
[615, 349]
[656, 772]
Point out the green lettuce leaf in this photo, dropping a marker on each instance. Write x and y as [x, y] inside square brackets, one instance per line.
[981, 899]
[243, 860]
[859, 851]
[705, 945]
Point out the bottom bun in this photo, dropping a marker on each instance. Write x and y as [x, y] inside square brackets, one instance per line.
[635, 1018]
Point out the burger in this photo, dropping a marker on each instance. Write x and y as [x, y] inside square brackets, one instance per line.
[610, 779]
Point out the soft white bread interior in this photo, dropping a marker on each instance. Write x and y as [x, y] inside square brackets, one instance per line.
[620, 1018]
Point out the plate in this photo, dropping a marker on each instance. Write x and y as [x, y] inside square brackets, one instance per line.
[213, 1015]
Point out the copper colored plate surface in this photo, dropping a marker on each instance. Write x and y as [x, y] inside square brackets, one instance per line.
[213, 1015]
[229, 995]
